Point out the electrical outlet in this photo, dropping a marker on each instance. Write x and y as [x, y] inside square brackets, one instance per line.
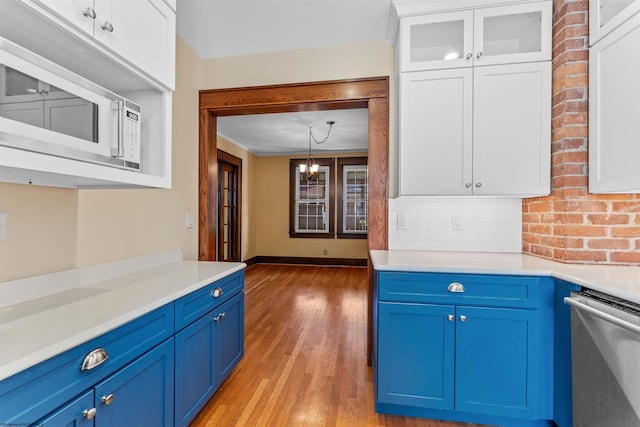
[324, 252]
[456, 222]
[402, 221]
[3, 225]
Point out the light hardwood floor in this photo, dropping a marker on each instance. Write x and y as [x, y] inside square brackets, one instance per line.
[304, 362]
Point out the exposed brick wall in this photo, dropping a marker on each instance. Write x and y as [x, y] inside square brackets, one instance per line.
[572, 225]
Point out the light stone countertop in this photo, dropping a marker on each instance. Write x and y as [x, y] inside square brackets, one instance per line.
[619, 281]
[53, 315]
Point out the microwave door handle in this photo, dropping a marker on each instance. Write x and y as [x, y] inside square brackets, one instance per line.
[118, 150]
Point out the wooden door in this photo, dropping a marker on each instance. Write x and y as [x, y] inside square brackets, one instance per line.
[229, 190]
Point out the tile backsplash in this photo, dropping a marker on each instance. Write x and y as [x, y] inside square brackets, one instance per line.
[465, 224]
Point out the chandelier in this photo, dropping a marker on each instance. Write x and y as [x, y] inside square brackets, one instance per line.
[309, 168]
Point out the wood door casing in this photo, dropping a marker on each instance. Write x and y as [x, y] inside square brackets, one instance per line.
[371, 93]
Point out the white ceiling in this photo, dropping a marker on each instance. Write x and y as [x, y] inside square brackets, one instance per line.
[288, 133]
[224, 28]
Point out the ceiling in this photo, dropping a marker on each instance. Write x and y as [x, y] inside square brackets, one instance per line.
[224, 28]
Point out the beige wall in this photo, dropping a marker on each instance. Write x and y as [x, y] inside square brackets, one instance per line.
[41, 229]
[271, 192]
[53, 229]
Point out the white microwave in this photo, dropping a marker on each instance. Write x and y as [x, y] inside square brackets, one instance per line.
[48, 109]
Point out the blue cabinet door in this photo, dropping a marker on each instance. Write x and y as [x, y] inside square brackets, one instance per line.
[497, 369]
[229, 330]
[71, 414]
[416, 355]
[195, 368]
[140, 394]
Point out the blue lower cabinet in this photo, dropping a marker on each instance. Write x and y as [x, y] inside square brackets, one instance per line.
[140, 394]
[80, 412]
[453, 354]
[497, 361]
[206, 352]
[415, 355]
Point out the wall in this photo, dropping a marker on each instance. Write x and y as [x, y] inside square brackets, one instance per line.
[572, 225]
[271, 192]
[41, 227]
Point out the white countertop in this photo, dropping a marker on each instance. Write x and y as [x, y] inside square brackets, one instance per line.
[42, 324]
[620, 281]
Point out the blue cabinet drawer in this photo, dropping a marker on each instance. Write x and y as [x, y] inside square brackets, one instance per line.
[473, 289]
[191, 307]
[32, 394]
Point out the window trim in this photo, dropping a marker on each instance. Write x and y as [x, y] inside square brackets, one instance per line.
[342, 162]
[293, 170]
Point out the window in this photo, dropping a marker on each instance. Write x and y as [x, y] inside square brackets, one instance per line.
[311, 212]
[353, 190]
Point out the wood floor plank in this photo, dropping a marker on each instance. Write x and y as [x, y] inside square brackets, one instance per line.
[305, 337]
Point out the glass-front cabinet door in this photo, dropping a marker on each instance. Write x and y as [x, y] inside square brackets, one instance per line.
[607, 15]
[484, 36]
[510, 34]
[436, 41]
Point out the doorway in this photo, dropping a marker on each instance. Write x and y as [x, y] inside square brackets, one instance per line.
[371, 93]
[229, 206]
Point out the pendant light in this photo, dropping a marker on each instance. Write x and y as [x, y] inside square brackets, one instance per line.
[309, 168]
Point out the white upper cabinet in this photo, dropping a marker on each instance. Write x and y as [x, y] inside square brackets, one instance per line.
[474, 98]
[484, 36]
[141, 32]
[607, 15]
[482, 131]
[614, 111]
[133, 56]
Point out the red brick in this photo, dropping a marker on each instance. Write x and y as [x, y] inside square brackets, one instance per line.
[586, 206]
[583, 256]
[628, 232]
[569, 181]
[576, 6]
[608, 219]
[626, 206]
[576, 55]
[540, 228]
[541, 251]
[608, 244]
[579, 230]
[540, 207]
[626, 257]
[576, 18]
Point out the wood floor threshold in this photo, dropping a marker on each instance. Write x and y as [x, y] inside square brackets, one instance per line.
[305, 337]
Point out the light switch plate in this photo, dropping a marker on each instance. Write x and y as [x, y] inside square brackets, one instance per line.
[189, 220]
[3, 225]
[402, 221]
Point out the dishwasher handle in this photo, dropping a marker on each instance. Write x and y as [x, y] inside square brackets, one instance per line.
[602, 315]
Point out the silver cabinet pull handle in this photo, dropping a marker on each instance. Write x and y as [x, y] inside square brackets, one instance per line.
[455, 287]
[217, 292]
[478, 184]
[107, 26]
[463, 318]
[451, 317]
[469, 56]
[89, 13]
[219, 317]
[94, 359]
[108, 399]
[89, 413]
[479, 55]
[468, 185]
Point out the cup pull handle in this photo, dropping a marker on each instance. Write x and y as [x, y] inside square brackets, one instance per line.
[455, 287]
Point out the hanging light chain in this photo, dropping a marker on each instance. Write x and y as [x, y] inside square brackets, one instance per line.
[330, 123]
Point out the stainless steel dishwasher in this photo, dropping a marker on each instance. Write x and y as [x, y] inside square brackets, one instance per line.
[605, 346]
